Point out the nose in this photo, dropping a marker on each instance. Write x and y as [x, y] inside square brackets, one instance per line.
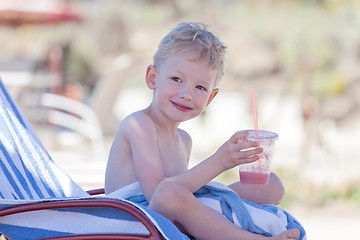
[185, 92]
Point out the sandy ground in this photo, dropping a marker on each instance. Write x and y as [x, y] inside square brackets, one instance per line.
[331, 223]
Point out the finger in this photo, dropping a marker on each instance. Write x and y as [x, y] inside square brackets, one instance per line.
[247, 156]
[244, 160]
[239, 136]
[248, 144]
[251, 152]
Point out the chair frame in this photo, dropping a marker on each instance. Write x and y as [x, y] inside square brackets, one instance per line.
[116, 204]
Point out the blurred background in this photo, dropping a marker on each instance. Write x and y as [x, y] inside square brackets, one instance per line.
[77, 68]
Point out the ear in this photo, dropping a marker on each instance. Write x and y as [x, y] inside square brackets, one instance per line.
[212, 95]
[150, 76]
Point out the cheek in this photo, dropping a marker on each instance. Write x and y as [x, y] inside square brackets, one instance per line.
[202, 100]
[164, 93]
[165, 87]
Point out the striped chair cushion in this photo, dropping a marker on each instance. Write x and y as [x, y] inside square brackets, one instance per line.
[26, 169]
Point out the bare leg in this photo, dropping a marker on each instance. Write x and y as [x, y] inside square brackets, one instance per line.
[270, 193]
[179, 205]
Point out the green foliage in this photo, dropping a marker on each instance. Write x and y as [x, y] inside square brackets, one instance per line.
[353, 193]
[299, 191]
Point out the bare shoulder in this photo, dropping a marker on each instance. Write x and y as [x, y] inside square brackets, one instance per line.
[184, 135]
[137, 121]
[139, 116]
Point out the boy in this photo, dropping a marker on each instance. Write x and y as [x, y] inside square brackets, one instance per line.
[149, 148]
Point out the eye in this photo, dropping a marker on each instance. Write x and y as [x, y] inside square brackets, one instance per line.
[200, 87]
[176, 79]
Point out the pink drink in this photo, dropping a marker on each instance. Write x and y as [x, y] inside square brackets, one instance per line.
[257, 172]
[254, 177]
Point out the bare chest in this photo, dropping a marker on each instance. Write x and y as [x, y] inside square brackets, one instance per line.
[173, 156]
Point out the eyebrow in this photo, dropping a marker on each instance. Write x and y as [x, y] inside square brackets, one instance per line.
[204, 83]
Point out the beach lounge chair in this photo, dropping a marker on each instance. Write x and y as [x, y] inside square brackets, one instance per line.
[40, 201]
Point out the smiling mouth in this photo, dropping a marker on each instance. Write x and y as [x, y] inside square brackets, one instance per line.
[181, 107]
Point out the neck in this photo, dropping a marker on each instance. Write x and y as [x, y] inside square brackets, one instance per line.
[161, 121]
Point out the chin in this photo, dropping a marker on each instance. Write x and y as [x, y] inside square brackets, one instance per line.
[180, 116]
[183, 118]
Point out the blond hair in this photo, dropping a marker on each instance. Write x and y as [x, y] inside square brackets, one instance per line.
[195, 38]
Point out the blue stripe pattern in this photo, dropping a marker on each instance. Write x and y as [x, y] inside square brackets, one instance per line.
[19, 232]
[23, 157]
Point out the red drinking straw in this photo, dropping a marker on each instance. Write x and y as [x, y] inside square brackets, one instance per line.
[255, 119]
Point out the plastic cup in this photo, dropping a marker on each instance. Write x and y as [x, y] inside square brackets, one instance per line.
[258, 172]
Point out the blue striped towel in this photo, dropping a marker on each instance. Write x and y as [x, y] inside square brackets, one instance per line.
[28, 175]
[268, 220]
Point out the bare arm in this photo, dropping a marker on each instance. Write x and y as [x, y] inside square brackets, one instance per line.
[271, 193]
[142, 137]
[230, 154]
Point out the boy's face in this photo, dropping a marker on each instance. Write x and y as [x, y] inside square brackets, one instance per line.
[182, 87]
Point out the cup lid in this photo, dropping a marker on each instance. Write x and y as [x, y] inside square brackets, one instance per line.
[262, 134]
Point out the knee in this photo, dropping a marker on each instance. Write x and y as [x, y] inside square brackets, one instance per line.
[168, 197]
[278, 190]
